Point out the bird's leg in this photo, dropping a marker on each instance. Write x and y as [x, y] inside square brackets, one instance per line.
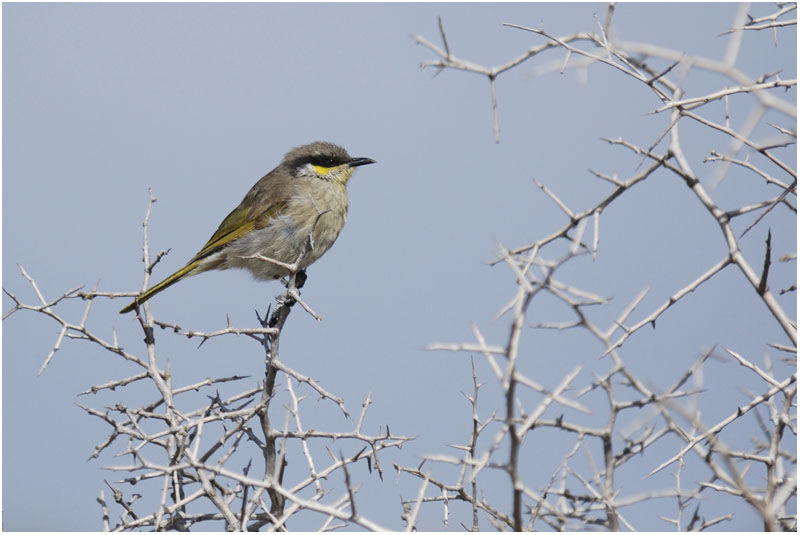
[300, 278]
[297, 277]
[296, 281]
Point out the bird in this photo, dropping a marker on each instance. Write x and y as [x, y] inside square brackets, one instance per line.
[289, 218]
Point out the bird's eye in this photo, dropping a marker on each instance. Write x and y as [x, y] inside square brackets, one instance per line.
[324, 161]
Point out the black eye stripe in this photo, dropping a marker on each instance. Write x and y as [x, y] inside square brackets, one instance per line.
[324, 161]
[320, 160]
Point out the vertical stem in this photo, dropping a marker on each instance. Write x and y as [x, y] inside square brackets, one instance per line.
[512, 352]
[270, 452]
[513, 460]
[272, 470]
[608, 491]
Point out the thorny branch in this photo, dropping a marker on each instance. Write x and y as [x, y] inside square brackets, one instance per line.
[638, 420]
[220, 459]
[186, 454]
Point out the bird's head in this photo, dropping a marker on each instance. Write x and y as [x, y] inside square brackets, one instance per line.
[323, 160]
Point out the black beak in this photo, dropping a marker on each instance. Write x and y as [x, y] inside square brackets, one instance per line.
[355, 162]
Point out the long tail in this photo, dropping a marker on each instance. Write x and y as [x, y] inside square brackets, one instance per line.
[182, 273]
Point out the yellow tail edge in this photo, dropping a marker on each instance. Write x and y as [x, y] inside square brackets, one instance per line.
[166, 283]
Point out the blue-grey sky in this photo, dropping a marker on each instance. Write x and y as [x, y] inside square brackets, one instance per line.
[198, 101]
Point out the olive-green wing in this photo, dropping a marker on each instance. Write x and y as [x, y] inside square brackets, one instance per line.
[237, 224]
[240, 222]
[268, 192]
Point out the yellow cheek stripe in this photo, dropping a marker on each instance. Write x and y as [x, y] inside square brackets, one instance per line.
[340, 173]
[322, 170]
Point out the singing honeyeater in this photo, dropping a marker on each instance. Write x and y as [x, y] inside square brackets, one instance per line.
[295, 211]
